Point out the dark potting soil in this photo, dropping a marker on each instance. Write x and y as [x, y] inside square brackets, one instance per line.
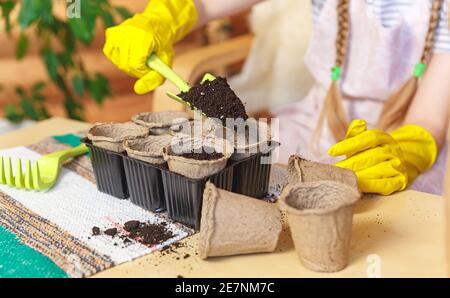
[216, 99]
[132, 225]
[202, 156]
[95, 231]
[154, 234]
[111, 232]
[145, 233]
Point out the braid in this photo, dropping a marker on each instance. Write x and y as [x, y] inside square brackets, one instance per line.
[333, 109]
[395, 109]
[434, 22]
[343, 31]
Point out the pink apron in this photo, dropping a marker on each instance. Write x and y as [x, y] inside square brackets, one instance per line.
[379, 60]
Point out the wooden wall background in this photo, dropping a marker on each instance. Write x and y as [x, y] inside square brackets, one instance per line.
[122, 105]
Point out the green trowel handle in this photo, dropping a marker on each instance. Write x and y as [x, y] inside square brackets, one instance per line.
[163, 69]
[64, 155]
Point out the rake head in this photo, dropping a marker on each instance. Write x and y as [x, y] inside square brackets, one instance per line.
[30, 179]
[40, 175]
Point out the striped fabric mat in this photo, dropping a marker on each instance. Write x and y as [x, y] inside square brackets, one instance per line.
[49, 234]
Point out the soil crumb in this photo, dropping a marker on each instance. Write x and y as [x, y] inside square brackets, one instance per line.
[131, 225]
[216, 99]
[111, 232]
[95, 231]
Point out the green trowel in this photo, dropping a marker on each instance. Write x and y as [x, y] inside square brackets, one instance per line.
[163, 69]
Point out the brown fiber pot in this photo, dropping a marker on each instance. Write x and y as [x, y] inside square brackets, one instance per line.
[110, 136]
[160, 123]
[320, 216]
[205, 127]
[255, 137]
[302, 170]
[234, 224]
[196, 169]
[149, 149]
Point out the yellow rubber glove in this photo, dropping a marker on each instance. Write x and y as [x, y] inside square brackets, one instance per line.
[419, 149]
[129, 44]
[385, 163]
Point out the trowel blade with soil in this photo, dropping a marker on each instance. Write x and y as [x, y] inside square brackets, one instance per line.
[163, 69]
[177, 98]
[206, 77]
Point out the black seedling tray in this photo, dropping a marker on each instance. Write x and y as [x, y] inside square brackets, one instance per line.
[184, 196]
[109, 171]
[251, 176]
[145, 184]
[155, 188]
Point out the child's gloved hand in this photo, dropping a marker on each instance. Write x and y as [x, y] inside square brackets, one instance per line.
[419, 149]
[130, 44]
[385, 163]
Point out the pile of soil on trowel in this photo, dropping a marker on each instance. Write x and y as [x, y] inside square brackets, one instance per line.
[216, 99]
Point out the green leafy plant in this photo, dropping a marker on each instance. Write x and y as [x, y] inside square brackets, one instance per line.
[60, 40]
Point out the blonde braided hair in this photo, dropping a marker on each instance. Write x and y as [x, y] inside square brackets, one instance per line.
[395, 108]
[333, 108]
[343, 31]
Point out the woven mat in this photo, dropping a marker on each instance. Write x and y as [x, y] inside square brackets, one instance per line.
[57, 224]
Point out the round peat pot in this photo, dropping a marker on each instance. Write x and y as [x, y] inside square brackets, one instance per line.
[197, 158]
[203, 128]
[234, 224]
[149, 149]
[320, 216]
[251, 139]
[110, 136]
[302, 170]
[160, 123]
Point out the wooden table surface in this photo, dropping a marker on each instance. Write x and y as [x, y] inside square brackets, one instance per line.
[396, 236]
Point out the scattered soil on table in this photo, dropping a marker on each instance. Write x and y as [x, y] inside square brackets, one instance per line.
[111, 232]
[172, 249]
[145, 233]
[216, 100]
[154, 234]
[202, 156]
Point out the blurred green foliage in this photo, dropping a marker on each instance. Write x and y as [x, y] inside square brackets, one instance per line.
[60, 40]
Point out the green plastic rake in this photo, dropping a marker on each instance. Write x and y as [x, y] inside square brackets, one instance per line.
[40, 175]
